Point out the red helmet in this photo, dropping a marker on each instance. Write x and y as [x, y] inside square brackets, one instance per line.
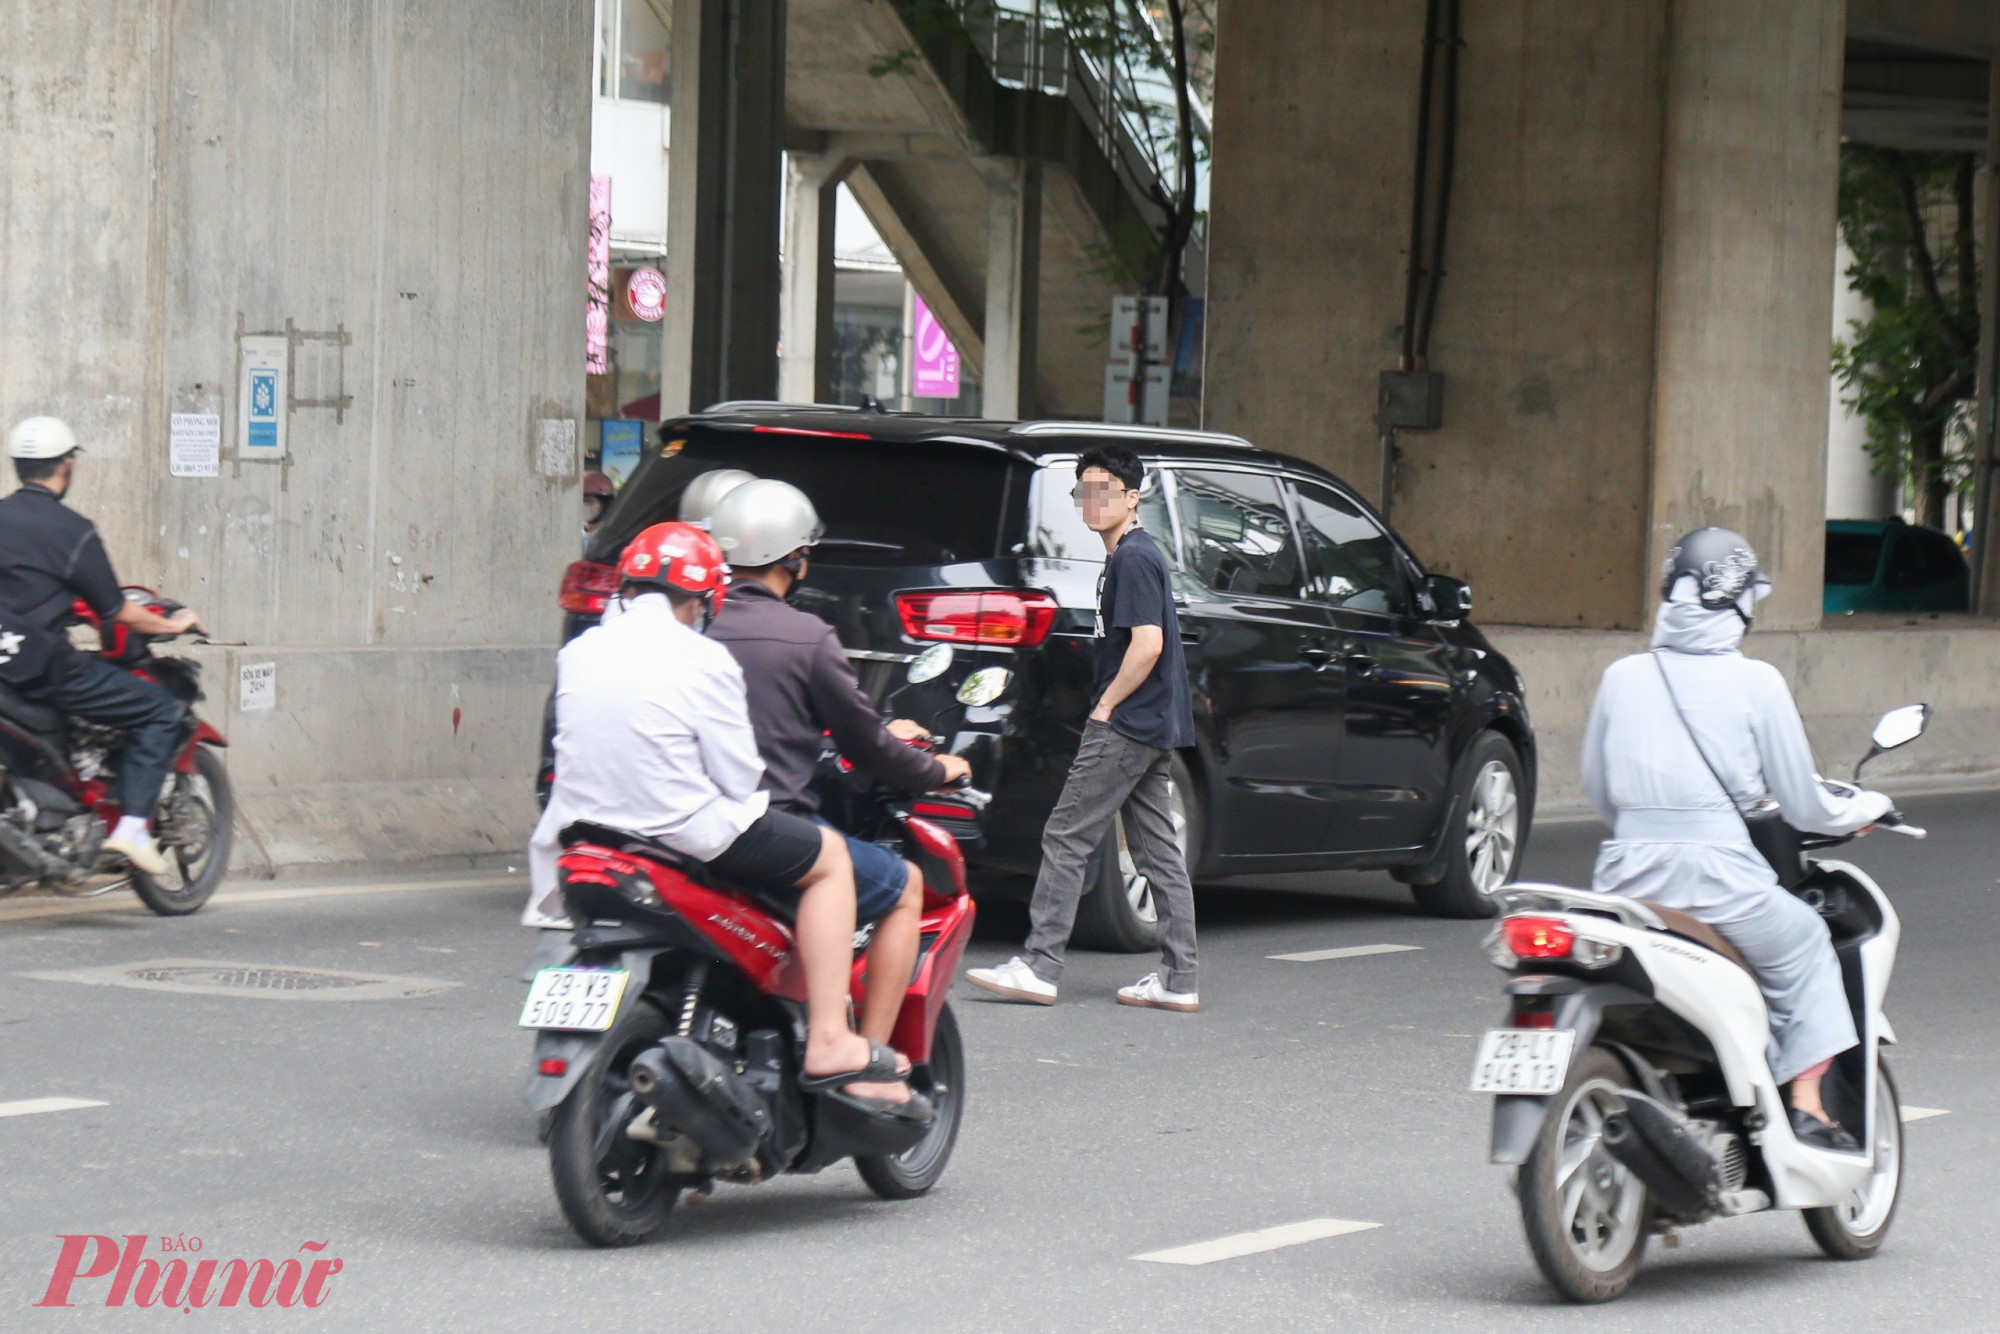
[678, 556]
[597, 484]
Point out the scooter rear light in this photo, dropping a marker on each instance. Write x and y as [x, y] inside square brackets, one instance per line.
[1537, 938]
[587, 586]
[994, 619]
[554, 1066]
[1534, 1019]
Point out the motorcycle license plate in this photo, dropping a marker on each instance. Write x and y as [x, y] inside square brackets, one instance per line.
[574, 998]
[1522, 1060]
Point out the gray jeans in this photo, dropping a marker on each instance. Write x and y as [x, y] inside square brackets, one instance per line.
[1112, 771]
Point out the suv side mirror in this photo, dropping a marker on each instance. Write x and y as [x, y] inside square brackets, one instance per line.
[1446, 598]
[1898, 727]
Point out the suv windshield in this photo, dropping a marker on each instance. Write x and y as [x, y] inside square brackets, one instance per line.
[882, 502]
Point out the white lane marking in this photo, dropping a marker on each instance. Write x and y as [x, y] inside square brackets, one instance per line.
[117, 902]
[1347, 952]
[1923, 1113]
[1251, 1243]
[30, 1106]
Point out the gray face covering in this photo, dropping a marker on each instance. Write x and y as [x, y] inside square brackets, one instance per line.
[1686, 626]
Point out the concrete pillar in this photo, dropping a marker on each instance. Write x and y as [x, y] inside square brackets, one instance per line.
[724, 204]
[1854, 490]
[1013, 295]
[805, 366]
[1986, 495]
[1749, 171]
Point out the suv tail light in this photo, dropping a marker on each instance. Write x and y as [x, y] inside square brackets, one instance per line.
[1000, 620]
[587, 586]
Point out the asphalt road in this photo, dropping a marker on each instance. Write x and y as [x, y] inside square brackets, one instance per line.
[391, 1130]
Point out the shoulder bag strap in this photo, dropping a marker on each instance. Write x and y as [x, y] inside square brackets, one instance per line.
[1680, 713]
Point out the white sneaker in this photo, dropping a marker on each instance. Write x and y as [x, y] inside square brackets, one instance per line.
[1150, 993]
[1014, 980]
[143, 853]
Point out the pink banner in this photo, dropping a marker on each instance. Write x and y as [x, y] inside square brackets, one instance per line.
[597, 314]
[934, 370]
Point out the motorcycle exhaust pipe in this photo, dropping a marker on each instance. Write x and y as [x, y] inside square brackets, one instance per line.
[1657, 1146]
[21, 856]
[693, 1091]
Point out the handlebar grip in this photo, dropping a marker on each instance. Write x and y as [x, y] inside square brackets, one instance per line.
[1906, 830]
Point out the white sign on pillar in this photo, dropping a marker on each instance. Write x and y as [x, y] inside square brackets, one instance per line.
[261, 396]
[1137, 378]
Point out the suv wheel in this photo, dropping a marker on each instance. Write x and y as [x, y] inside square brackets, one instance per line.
[1489, 831]
[1119, 914]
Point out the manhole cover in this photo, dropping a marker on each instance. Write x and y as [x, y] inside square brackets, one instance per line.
[211, 977]
[250, 979]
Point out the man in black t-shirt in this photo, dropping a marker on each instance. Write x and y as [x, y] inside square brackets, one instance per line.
[1141, 716]
[50, 557]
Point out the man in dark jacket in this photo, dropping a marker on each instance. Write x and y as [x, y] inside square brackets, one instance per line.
[50, 558]
[801, 690]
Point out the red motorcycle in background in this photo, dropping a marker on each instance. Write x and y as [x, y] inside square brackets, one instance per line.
[55, 787]
[672, 1028]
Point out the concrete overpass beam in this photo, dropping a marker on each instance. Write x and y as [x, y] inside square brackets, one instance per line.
[1013, 289]
[805, 364]
[724, 204]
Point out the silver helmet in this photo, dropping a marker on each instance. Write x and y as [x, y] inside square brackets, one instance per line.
[705, 492]
[759, 523]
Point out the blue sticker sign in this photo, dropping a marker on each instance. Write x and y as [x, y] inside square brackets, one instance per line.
[261, 396]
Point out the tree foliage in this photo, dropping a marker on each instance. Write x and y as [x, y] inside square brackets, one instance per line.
[1910, 369]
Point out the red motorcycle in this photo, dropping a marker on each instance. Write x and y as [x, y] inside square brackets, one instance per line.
[673, 1025]
[55, 788]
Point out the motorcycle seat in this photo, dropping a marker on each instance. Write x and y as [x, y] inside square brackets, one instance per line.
[1698, 932]
[36, 718]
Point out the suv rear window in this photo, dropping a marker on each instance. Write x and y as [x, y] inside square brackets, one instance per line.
[1853, 558]
[883, 502]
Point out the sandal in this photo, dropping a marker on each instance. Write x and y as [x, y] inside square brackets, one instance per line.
[881, 1069]
[916, 1107]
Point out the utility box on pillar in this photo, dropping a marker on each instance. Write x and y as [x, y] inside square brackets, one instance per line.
[1137, 380]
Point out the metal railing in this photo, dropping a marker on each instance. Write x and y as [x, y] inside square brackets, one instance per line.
[1129, 106]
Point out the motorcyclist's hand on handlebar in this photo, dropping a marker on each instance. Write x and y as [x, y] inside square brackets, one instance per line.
[905, 729]
[956, 768]
[185, 620]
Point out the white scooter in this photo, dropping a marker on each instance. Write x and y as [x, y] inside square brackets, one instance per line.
[1634, 1094]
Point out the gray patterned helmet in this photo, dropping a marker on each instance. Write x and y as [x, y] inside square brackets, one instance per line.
[705, 492]
[1722, 564]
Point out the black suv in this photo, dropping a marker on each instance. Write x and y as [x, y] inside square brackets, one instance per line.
[1347, 713]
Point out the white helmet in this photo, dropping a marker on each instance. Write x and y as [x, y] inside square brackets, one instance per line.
[759, 523]
[705, 492]
[40, 438]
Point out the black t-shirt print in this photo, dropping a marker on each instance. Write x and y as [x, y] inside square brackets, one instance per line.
[1136, 591]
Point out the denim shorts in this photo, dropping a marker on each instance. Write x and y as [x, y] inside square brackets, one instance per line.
[879, 877]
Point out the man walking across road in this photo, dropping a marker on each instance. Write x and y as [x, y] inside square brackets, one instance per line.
[1141, 717]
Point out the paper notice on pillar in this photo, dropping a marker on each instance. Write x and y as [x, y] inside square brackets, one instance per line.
[934, 366]
[256, 687]
[262, 397]
[555, 446]
[194, 444]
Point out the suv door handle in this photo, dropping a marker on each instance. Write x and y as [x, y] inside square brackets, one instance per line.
[1319, 656]
[1361, 664]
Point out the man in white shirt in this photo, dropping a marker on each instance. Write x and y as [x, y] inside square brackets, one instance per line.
[653, 737]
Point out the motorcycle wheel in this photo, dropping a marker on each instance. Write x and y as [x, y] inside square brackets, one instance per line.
[906, 1175]
[1854, 1228]
[613, 1190]
[196, 820]
[1587, 1217]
